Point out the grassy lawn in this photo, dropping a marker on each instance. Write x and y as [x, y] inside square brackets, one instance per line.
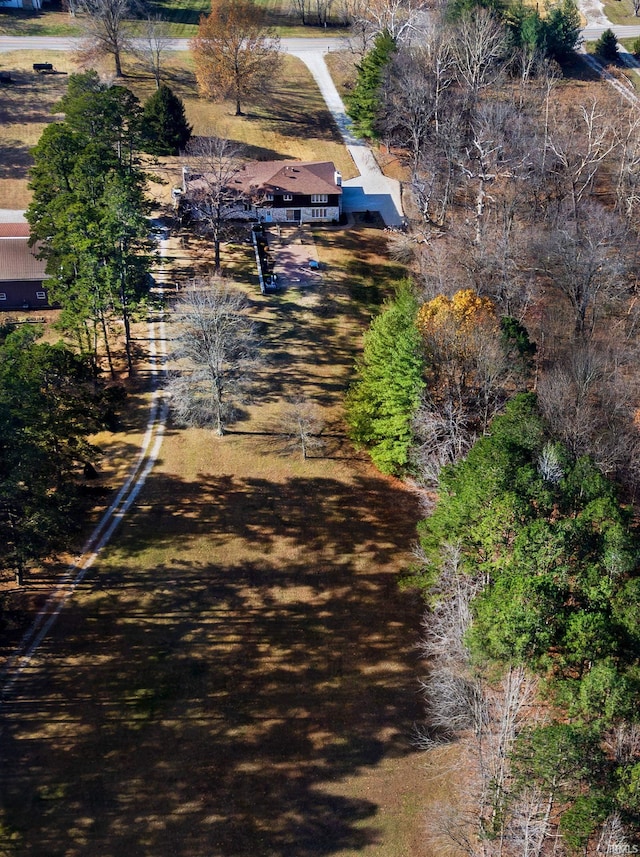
[238, 675]
[620, 12]
[292, 123]
[182, 16]
[37, 22]
[25, 110]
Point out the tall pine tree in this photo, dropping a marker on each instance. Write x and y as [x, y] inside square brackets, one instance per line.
[384, 398]
[165, 127]
[364, 102]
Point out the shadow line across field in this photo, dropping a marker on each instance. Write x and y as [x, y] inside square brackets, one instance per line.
[200, 706]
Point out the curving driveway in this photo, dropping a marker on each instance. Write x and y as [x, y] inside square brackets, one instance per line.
[371, 190]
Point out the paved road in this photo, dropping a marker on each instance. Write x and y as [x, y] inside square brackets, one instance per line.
[59, 43]
[596, 24]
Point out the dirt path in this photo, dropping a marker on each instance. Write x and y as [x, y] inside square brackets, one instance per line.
[101, 535]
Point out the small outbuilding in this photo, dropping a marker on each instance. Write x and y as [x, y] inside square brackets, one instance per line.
[21, 272]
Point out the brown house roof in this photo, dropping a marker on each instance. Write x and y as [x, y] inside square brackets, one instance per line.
[18, 260]
[14, 230]
[299, 177]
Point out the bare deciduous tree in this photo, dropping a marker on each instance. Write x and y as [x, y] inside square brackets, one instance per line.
[213, 163]
[216, 351]
[496, 155]
[301, 425]
[152, 46]
[443, 436]
[106, 30]
[613, 837]
[586, 264]
[623, 742]
[400, 18]
[627, 131]
[479, 48]
[589, 402]
[415, 94]
[577, 147]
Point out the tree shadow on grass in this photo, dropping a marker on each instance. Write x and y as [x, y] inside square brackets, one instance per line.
[200, 704]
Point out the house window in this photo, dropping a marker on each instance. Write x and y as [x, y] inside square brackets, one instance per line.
[41, 296]
[318, 213]
[291, 214]
[287, 197]
[3, 296]
[319, 197]
[268, 197]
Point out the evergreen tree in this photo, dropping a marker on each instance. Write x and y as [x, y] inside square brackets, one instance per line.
[384, 398]
[88, 210]
[607, 46]
[165, 127]
[363, 104]
[49, 404]
[562, 30]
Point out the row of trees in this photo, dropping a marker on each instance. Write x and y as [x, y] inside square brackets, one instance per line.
[471, 46]
[89, 209]
[235, 52]
[88, 215]
[523, 229]
[50, 402]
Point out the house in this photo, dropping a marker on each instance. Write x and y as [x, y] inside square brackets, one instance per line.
[21, 272]
[275, 192]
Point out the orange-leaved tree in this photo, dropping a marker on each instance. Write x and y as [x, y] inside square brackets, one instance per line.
[467, 362]
[236, 55]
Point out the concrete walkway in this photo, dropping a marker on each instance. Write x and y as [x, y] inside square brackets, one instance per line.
[10, 215]
[371, 190]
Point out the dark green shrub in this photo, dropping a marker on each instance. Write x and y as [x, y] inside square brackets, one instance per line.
[165, 129]
[607, 46]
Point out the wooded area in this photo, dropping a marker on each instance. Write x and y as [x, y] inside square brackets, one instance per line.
[518, 405]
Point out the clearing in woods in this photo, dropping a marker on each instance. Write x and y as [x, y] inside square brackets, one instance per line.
[237, 674]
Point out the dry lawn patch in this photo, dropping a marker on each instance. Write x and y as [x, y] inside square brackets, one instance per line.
[25, 110]
[238, 674]
[293, 122]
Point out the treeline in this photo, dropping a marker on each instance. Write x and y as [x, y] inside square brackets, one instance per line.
[50, 402]
[527, 196]
[530, 564]
[89, 209]
[521, 245]
[89, 217]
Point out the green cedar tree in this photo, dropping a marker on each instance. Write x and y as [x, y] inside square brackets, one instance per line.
[165, 127]
[385, 396]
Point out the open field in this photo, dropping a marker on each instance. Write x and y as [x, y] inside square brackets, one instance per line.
[237, 676]
[292, 123]
[25, 110]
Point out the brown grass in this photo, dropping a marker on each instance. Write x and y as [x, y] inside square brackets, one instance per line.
[293, 121]
[238, 674]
